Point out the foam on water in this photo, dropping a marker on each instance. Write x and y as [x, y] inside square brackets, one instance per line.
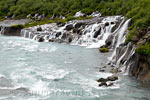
[39, 87]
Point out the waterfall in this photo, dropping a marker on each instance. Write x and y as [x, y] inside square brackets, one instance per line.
[2, 29]
[91, 35]
[120, 38]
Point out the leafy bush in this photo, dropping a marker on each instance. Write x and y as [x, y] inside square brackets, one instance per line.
[143, 49]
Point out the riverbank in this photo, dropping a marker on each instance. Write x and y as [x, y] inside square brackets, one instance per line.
[107, 32]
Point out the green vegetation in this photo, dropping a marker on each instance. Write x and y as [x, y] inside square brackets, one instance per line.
[144, 49]
[47, 21]
[103, 50]
[138, 10]
[17, 26]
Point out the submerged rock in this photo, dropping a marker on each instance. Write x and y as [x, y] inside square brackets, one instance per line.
[112, 78]
[102, 70]
[103, 81]
[103, 84]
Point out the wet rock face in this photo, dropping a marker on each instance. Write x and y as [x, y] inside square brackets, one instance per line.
[78, 25]
[97, 33]
[138, 64]
[140, 67]
[11, 31]
[39, 29]
[75, 31]
[109, 40]
[58, 34]
[69, 27]
[60, 24]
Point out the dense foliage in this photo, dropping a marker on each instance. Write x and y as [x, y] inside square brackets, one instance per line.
[144, 49]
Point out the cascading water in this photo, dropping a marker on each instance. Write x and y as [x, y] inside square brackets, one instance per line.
[2, 29]
[91, 35]
[119, 38]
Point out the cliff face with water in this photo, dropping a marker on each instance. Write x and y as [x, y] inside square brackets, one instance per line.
[110, 32]
[132, 60]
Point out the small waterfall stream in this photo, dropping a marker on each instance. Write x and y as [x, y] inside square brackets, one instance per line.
[2, 29]
[90, 35]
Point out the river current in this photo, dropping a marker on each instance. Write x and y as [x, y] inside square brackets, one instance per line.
[30, 70]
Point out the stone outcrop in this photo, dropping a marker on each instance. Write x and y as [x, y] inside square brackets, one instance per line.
[140, 67]
[11, 31]
[12, 27]
[104, 81]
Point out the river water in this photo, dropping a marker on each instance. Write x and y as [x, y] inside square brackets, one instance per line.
[49, 71]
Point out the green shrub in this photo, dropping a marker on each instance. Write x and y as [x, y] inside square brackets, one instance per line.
[103, 50]
[143, 49]
[130, 35]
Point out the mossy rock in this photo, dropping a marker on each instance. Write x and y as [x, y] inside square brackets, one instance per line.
[143, 49]
[19, 26]
[104, 50]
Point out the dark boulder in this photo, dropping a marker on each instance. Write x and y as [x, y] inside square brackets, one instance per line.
[101, 70]
[77, 30]
[70, 38]
[97, 33]
[64, 36]
[109, 40]
[69, 27]
[12, 30]
[58, 34]
[107, 24]
[103, 84]
[51, 40]
[112, 78]
[102, 80]
[78, 25]
[41, 39]
[60, 24]
[39, 29]
[112, 23]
